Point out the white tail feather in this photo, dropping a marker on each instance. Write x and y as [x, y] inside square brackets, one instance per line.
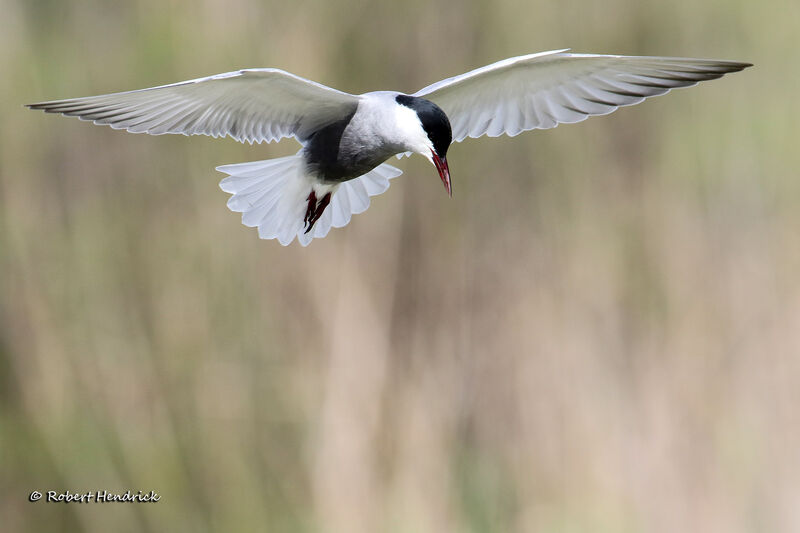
[272, 195]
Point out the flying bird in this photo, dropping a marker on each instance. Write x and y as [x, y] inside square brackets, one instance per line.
[345, 138]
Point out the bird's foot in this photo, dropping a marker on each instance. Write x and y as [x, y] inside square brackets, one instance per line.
[312, 207]
[315, 209]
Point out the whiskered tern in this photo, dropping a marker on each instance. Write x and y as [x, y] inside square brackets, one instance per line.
[345, 139]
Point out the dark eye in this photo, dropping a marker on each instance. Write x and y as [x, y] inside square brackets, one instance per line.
[440, 134]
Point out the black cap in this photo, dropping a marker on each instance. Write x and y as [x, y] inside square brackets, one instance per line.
[434, 121]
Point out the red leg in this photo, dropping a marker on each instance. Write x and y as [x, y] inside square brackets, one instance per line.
[320, 208]
[312, 207]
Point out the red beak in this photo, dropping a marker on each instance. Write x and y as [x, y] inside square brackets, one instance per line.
[444, 172]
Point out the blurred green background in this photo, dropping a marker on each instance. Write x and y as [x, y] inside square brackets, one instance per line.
[600, 332]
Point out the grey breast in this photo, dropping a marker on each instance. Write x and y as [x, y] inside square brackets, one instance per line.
[346, 149]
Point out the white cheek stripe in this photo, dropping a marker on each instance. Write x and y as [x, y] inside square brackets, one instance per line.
[411, 130]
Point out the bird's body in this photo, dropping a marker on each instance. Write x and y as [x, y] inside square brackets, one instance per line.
[346, 139]
[377, 129]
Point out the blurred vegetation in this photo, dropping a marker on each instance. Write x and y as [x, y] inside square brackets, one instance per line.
[599, 333]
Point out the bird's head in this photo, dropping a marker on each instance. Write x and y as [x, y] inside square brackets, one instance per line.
[431, 134]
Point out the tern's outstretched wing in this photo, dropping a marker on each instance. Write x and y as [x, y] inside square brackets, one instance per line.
[545, 89]
[252, 105]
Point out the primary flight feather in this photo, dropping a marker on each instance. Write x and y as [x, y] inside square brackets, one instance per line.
[346, 139]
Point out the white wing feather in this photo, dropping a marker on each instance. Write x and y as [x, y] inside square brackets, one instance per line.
[251, 105]
[540, 91]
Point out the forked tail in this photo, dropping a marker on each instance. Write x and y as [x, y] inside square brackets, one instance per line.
[274, 196]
